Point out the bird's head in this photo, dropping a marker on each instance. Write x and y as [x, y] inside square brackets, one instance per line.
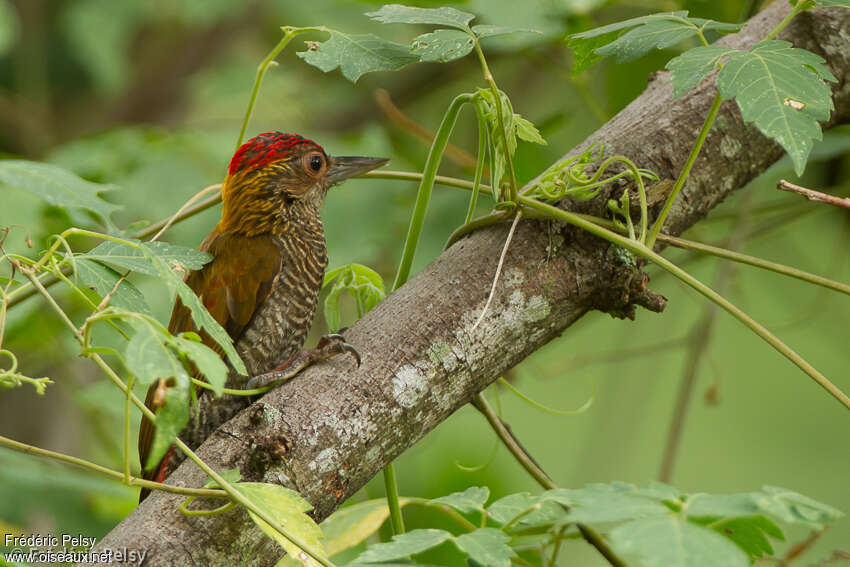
[273, 173]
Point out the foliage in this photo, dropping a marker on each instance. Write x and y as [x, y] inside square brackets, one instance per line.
[655, 523]
[783, 90]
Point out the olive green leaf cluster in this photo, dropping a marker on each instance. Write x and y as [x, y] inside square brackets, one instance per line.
[781, 89]
[356, 55]
[655, 524]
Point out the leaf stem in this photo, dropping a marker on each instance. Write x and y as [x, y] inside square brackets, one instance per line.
[288, 34]
[801, 6]
[32, 450]
[497, 101]
[426, 185]
[683, 176]
[479, 165]
[391, 487]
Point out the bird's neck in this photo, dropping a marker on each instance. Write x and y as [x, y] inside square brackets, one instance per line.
[246, 212]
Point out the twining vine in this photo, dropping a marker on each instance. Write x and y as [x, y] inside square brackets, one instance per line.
[152, 352]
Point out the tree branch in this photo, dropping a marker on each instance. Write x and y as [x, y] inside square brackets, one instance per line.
[330, 430]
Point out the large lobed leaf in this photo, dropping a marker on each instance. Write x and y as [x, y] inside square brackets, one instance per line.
[782, 90]
[290, 510]
[103, 279]
[675, 542]
[694, 65]
[405, 544]
[654, 31]
[122, 256]
[442, 45]
[470, 500]
[356, 55]
[398, 14]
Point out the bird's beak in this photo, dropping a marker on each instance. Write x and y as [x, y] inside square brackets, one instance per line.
[344, 167]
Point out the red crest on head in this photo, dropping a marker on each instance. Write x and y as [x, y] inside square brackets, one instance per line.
[266, 148]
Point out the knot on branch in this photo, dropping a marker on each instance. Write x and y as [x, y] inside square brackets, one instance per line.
[624, 286]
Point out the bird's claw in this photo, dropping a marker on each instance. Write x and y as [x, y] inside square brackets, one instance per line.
[329, 346]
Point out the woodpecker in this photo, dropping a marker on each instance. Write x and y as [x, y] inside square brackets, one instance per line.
[262, 284]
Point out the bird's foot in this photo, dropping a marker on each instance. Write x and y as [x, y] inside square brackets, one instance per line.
[329, 346]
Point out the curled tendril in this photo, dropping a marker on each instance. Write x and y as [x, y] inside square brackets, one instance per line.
[569, 176]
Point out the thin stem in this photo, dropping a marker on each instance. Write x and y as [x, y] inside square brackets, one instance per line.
[391, 486]
[447, 510]
[497, 101]
[537, 473]
[438, 179]
[700, 341]
[756, 262]
[801, 6]
[423, 197]
[540, 406]
[813, 195]
[32, 450]
[498, 269]
[647, 253]
[288, 34]
[479, 167]
[556, 548]
[127, 432]
[680, 182]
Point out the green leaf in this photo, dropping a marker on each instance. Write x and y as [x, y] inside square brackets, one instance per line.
[750, 534]
[171, 418]
[56, 185]
[514, 124]
[8, 26]
[721, 505]
[655, 31]
[528, 131]
[470, 500]
[506, 509]
[206, 360]
[486, 546]
[289, 509]
[483, 31]
[794, 508]
[398, 14]
[200, 315]
[442, 45]
[692, 66]
[415, 541]
[123, 256]
[147, 355]
[356, 55]
[584, 50]
[364, 284]
[827, 3]
[607, 503]
[102, 279]
[674, 542]
[351, 526]
[230, 475]
[780, 89]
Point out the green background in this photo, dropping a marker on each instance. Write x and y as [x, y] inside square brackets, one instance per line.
[150, 96]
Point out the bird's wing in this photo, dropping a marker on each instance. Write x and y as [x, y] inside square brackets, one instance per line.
[231, 286]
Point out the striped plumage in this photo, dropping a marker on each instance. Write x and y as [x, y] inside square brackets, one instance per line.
[269, 258]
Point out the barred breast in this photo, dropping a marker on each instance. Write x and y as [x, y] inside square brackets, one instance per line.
[277, 330]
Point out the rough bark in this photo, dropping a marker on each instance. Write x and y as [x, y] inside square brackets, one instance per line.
[330, 430]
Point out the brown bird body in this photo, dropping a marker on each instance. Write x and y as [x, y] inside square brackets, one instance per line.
[269, 258]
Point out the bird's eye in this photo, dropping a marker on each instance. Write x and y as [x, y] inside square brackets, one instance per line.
[316, 162]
